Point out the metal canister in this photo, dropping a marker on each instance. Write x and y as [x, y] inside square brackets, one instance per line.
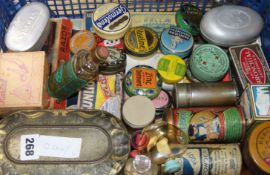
[205, 94]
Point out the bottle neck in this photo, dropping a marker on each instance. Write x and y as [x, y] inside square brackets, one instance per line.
[96, 57]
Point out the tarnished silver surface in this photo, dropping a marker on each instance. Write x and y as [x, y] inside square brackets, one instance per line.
[105, 142]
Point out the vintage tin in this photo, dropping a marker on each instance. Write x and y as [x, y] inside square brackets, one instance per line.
[231, 25]
[138, 112]
[209, 63]
[82, 40]
[141, 41]
[111, 21]
[162, 101]
[29, 29]
[205, 94]
[143, 80]
[176, 41]
[95, 142]
[256, 149]
[255, 101]
[207, 159]
[188, 17]
[171, 68]
[249, 65]
[115, 63]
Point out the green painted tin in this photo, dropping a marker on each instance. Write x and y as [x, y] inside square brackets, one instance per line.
[209, 63]
[143, 80]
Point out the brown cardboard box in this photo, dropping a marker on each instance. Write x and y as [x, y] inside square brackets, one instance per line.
[23, 81]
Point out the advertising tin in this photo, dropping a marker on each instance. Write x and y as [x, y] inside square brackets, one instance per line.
[143, 80]
[29, 29]
[231, 25]
[141, 41]
[176, 41]
[249, 65]
[138, 111]
[209, 63]
[256, 150]
[82, 40]
[111, 21]
[95, 142]
[188, 17]
[171, 68]
[208, 159]
[115, 63]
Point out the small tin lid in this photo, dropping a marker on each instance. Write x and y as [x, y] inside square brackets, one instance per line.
[230, 25]
[189, 18]
[162, 101]
[258, 146]
[143, 80]
[176, 40]
[141, 41]
[115, 63]
[82, 40]
[209, 63]
[171, 68]
[138, 111]
[29, 28]
[111, 21]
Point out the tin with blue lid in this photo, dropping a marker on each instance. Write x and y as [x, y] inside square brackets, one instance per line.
[176, 41]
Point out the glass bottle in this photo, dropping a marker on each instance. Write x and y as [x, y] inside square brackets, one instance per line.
[140, 165]
[73, 75]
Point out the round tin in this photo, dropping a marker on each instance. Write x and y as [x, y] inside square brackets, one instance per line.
[176, 41]
[141, 41]
[29, 29]
[257, 149]
[171, 68]
[115, 63]
[143, 80]
[82, 40]
[230, 25]
[162, 101]
[138, 111]
[111, 21]
[209, 63]
[188, 17]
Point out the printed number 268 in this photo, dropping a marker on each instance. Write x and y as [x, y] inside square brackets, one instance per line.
[29, 146]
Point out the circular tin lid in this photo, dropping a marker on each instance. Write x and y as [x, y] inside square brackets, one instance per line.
[138, 111]
[163, 100]
[82, 40]
[143, 80]
[176, 40]
[115, 63]
[171, 68]
[189, 18]
[141, 41]
[209, 63]
[111, 21]
[230, 25]
[259, 147]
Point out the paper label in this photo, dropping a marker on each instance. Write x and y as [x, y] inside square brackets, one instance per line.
[144, 78]
[34, 146]
[261, 98]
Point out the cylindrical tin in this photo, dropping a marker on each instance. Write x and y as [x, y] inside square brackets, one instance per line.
[82, 40]
[205, 94]
[207, 159]
[176, 41]
[256, 150]
[111, 21]
[161, 103]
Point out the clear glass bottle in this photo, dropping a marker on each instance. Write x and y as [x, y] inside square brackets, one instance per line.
[73, 75]
[140, 165]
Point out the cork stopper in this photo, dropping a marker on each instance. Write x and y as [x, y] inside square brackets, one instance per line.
[102, 53]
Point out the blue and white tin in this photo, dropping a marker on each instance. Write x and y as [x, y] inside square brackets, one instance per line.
[111, 21]
[176, 41]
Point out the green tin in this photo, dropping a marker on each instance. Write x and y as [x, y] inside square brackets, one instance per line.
[188, 17]
[209, 63]
[143, 80]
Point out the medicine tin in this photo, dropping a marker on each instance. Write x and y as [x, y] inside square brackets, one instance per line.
[82, 40]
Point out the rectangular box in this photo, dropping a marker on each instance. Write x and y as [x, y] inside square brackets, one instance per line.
[255, 101]
[23, 81]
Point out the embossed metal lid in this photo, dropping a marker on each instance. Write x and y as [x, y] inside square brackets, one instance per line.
[230, 25]
[209, 63]
[143, 80]
[141, 41]
[29, 28]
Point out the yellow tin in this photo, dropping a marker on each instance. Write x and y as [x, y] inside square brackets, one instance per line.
[82, 40]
